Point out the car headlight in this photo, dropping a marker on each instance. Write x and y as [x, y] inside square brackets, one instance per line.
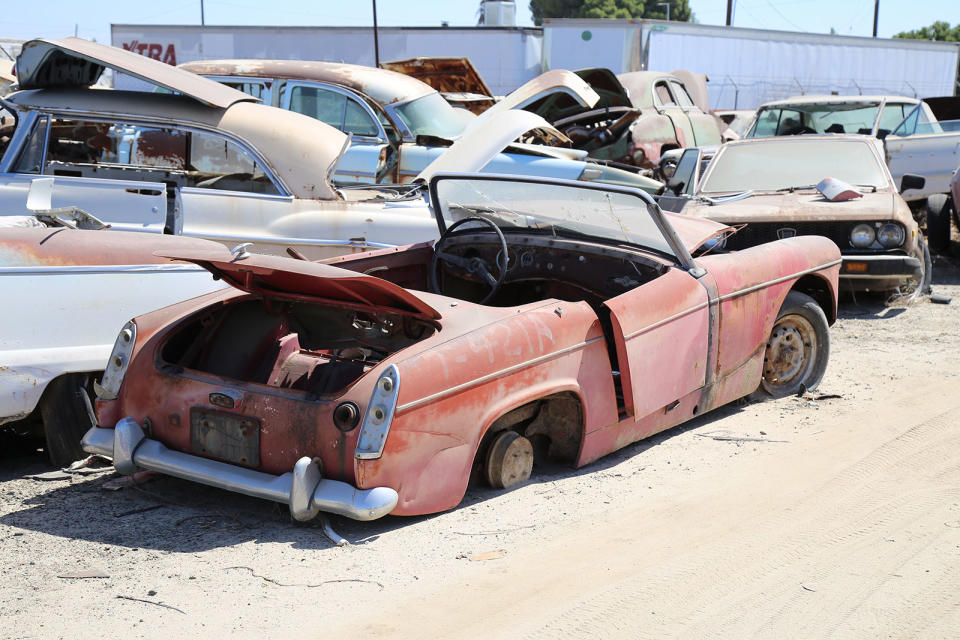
[862, 236]
[891, 235]
[379, 415]
[109, 386]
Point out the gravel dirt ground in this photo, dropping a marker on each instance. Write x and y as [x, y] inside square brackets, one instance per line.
[835, 515]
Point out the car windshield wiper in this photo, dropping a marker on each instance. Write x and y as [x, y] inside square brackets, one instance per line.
[797, 188]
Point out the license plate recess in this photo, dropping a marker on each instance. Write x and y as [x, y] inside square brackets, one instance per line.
[225, 436]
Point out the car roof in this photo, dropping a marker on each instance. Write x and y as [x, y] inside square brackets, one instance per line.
[300, 150]
[383, 86]
[832, 99]
[821, 137]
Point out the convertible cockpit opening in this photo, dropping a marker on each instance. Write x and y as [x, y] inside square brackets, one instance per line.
[304, 346]
[468, 266]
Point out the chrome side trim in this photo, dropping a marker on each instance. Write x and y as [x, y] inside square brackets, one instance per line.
[491, 376]
[113, 268]
[291, 488]
[317, 242]
[728, 296]
[799, 274]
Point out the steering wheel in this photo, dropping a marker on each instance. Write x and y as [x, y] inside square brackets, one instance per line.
[474, 265]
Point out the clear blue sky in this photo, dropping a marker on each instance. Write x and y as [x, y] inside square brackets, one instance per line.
[57, 18]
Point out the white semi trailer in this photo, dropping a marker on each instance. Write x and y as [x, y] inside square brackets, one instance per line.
[748, 67]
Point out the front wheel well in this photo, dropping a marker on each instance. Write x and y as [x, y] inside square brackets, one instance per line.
[818, 289]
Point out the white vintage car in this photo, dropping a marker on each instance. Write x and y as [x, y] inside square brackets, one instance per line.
[208, 162]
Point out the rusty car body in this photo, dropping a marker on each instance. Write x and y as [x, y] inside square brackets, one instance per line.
[457, 80]
[770, 186]
[551, 319]
[399, 125]
[640, 115]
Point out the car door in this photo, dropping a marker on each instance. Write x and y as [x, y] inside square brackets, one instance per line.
[371, 158]
[918, 145]
[703, 125]
[662, 334]
[666, 104]
[91, 170]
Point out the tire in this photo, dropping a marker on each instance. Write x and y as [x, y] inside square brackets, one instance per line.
[925, 284]
[67, 414]
[788, 370]
[938, 222]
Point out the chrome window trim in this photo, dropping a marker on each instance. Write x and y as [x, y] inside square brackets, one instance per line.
[381, 136]
[120, 118]
[264, 82]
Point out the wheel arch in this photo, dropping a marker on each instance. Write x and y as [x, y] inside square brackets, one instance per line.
[527, 407]
[821, 290]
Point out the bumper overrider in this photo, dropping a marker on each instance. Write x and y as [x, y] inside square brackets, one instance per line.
[881, 267]
[304, 489]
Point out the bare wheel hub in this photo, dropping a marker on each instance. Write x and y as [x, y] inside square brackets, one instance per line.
[509, 460]
[789, 352]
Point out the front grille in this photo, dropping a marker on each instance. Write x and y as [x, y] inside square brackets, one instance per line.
[761, 232]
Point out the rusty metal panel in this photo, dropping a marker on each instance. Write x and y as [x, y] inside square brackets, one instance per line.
[456, 75]
[661, 330]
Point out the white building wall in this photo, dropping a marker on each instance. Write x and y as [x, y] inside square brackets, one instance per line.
[504, 57]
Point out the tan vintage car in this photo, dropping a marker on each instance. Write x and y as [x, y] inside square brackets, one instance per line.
[769, 188]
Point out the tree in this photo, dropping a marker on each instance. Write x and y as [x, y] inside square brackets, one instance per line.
[937, 31]
[679, 9]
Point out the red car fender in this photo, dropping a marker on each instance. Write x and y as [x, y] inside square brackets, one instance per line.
[434, 437]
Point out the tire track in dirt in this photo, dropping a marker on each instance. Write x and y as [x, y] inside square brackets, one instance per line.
[846, 520]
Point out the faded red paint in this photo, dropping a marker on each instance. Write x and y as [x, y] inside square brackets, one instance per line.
[694, 346]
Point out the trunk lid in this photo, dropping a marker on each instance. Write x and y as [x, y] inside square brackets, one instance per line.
[275, 277]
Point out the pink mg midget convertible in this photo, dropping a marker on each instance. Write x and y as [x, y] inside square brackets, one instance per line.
[552, 319]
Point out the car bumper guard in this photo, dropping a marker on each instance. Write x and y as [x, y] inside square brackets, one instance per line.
[304, 489]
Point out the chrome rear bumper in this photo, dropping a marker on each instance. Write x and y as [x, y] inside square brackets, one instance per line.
[304, 489]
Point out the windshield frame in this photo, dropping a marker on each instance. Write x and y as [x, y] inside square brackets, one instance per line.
[677, 250]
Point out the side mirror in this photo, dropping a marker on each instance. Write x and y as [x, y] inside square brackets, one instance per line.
[911, 181]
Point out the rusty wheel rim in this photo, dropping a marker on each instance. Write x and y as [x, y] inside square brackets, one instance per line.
[790, 352]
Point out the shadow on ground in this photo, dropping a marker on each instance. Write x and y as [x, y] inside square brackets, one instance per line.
[175, 515]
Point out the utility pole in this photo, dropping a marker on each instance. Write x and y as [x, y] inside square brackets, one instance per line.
[376, 38]
[667, 5]
[876, 16]
[730, 12]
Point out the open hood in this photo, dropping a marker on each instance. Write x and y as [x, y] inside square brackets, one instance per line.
[446, 75]
[558, 81]
[290, 279]
[481, 142]
[75, 62]
[604, 82]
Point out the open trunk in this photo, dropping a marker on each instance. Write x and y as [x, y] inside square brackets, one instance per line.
[321, 349]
